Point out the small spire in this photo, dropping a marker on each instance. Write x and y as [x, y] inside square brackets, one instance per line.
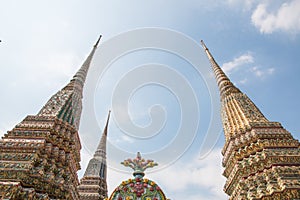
[101, 149]
[99, 158]
[107, 121]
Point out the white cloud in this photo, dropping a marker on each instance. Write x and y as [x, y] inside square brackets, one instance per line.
[243, 81]
[124, 139]
[237, 62]
[270, 70]
[243, 60]
[286, 18]
[262, 73]
[206, 175]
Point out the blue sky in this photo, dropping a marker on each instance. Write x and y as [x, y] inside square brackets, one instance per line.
[257, 43]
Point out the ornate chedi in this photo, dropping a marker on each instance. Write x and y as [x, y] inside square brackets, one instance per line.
[93, 184]
[138, 188]
[261, 158]
[39, 157]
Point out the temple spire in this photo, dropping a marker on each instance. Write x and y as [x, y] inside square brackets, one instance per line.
[96, 44]
[66, 104]
[260, 156]
[224, 83]
[93, 184]
[81, 74]
[238, 112]
[40, 156]
[101, 149]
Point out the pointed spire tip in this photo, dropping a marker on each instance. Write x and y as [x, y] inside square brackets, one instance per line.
[98, 41]
[107, 121]
[203, 45]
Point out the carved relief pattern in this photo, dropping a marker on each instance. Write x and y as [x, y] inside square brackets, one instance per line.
[261, 158]
[92, 188]
[239, 114]
[138, 189]
[255, 151]
[43, 154]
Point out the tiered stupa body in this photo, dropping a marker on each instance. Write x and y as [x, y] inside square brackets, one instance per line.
[261, 158]
[39, 158]
[138, 188]
[93, 184]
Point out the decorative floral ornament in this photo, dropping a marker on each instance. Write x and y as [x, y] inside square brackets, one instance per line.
[138, 188]
[139, 164]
